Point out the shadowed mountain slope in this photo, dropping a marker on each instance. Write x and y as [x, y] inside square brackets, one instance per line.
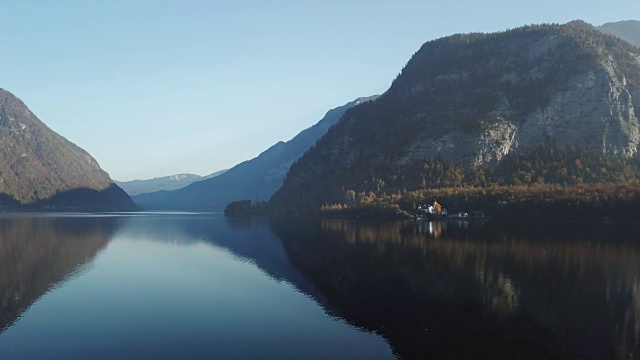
[38, 167]
[255, 179]
[628, 30]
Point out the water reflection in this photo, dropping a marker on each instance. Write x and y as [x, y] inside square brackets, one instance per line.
[167, 286]
[436, 289]
[247, 239]
[39, 252]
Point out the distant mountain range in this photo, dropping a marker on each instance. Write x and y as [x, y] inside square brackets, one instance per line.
[42, 171]
[543, 104]
[626, 30]
[164, 183]
[256, 179]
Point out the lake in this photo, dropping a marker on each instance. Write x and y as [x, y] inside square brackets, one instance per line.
[202, 286]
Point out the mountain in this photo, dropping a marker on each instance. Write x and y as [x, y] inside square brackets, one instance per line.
[255, 179]
[543, 104]
[41, 170]
[626, 30]
[171, 182]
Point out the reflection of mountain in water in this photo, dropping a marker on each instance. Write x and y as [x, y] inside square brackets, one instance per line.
[39, 252]
[476, 293]
[432, 290]
[250, 239]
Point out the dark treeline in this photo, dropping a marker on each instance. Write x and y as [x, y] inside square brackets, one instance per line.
[242, 208]
[551, 180]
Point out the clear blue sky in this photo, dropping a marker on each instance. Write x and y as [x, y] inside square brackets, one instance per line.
[153, 88]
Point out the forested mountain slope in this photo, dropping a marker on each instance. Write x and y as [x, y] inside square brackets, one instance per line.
[41, 170]
[545, 104]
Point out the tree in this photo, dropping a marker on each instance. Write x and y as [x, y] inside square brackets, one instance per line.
[350, 198]
[238, 208]
[437, 208]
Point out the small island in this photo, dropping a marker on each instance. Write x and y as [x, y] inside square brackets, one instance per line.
[244, 208]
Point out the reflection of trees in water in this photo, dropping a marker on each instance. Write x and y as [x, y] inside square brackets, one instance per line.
[583, 289]
[535, 295]
[37, 253]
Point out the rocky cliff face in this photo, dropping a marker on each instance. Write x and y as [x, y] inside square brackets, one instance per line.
[477, 98]
[598, 108]
[596, 105]
[41, 170]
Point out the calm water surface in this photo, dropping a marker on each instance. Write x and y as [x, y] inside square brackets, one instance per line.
[202, 286]
[160, 287]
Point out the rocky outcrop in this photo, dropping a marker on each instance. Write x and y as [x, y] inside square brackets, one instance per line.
[597, 108]
[596, 111]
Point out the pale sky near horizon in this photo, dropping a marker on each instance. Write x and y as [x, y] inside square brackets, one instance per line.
[154, 88]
